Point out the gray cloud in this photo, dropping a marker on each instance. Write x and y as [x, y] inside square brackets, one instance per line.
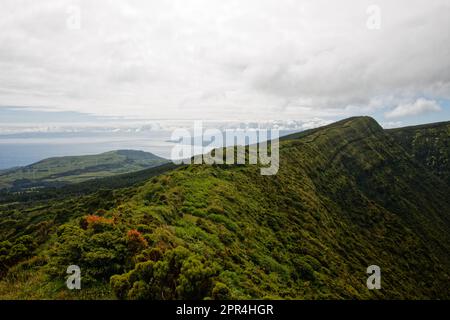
[235, 59]
[420, 106]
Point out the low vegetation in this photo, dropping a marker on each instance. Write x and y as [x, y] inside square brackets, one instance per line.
[346, 196]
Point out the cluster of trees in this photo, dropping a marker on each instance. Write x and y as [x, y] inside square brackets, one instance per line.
[13, 252]
[96, 244]
[109, 250]
[176, 274]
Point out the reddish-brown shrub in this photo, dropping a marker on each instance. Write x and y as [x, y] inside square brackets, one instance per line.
[94, 221]
[136, 241]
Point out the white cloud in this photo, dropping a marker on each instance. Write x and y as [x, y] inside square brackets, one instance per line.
[392, 124]
[246, 59]
[420, 106]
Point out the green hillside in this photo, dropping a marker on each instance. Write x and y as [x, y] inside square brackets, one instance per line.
[64, 170]
[346, 196]
[428, 144]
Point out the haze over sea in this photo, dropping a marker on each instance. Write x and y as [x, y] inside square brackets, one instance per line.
[24, 149]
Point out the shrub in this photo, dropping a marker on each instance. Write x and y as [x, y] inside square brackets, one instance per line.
[101, 262]
[96, 223]
[221, 291]
[153, 254]
[215, 209]
[179, 274]
[120, 285]
[99, 255]
[230, 225]
[194, 281]
[135, 241]
[12, 253]
[304, 270]
[139, 291]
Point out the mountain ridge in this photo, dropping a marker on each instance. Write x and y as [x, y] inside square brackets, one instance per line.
[427, 144]
[346, 196]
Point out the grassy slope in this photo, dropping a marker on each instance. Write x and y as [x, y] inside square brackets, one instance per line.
[346, 196]
[429, 145]
[75, 169]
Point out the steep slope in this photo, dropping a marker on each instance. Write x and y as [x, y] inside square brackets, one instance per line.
[429, 145]
[346, 196]
[64, 170]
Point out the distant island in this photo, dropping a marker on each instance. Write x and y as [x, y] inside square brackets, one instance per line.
[59, 171]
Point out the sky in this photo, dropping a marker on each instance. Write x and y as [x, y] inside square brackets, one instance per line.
[259, 60]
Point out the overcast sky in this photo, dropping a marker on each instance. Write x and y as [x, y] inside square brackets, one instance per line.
[215, 59]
